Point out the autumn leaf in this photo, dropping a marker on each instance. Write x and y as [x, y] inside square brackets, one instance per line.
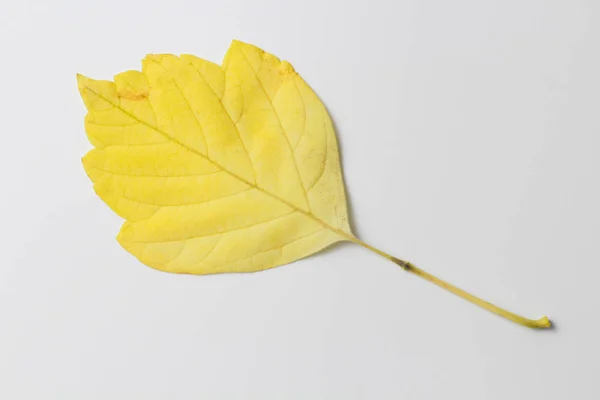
[231, 168]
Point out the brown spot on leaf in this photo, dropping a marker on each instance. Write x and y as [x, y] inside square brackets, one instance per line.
[133, 95]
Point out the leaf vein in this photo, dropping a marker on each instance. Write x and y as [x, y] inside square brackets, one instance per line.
[282, 130]
[278, 247]
[187, 102]
[324, 162]
[185, 204]
[217, 233]
[153, 176]
[231, 120]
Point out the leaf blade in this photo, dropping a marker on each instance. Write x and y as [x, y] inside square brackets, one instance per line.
[235, 199]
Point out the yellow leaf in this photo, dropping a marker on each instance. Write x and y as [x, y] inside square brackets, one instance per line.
[216, 169]
[231, 168]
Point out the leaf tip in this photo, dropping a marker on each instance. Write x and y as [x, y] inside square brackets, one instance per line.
[81, 79]
[83, 83]
[83, 86]
[238, 45]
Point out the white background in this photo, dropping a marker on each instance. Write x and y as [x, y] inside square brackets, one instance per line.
[469, 132]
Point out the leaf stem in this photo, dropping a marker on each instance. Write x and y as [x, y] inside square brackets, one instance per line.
[543, 322]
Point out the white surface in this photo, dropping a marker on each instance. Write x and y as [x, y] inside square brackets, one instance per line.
[470, 138]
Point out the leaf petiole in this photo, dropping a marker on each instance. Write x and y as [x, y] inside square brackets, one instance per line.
[540, 323]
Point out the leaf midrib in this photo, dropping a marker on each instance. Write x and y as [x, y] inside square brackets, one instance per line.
[310, 215]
